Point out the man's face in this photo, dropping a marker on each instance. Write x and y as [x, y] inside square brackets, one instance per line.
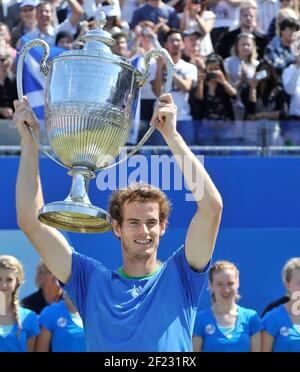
[44, 15]
[287, 35]
[174, 44]
[140, 230]
[248, 18]
[121, 47]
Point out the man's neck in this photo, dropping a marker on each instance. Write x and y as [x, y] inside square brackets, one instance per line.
[139, 268]
[249, 29]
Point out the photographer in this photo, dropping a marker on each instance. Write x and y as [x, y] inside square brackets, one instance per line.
[265, 103]
[8, 90]
[210, 102]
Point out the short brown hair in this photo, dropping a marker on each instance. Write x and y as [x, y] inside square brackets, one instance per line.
[140, 192]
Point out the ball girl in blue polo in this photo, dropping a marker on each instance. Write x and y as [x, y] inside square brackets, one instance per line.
[282, 324]
[18, 326]
[225, 326]
[61, 328]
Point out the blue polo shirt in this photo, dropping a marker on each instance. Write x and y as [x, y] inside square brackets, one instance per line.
[13, 342]
[153, 313]
[214, 340]
[67, 336]
[278, 324]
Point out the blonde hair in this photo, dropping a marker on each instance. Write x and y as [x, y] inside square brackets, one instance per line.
[220, 266]
[248, 4]
[289, 267]
[11, 263]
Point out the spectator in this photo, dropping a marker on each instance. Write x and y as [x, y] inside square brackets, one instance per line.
[155, 11]
[211, 103]
[61, 328]
[278, 52]
[286, 5]
[191, 51]
[9, 13]
[147, 40]
[226, 326]
[291, 84]
[8, 90]
[27, 23]
[266, 104]
[18, 326]
[128, 7]
[185, 75]
[282, 324]
[121, 46]
[241, 67]
[227, 16]
[5, 40]
[247, 24]
[45, 17]
[197, 19]
[64, 40]
[49, 290]
[268, 9]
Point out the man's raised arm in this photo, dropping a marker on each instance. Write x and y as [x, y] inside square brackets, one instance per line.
[49, 243]
[203, 229]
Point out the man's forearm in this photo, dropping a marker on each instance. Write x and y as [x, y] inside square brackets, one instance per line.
[29, 197]
[197, 179]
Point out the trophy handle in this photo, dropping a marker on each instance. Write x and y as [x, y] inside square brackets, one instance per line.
[142, 79]
[44, 70]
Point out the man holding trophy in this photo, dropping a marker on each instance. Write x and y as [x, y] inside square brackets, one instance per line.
[144, 305]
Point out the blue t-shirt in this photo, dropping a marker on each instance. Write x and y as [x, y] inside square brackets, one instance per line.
[155, 313]
[248, 324]
[278, 324]
[66, 335]
[13, 342]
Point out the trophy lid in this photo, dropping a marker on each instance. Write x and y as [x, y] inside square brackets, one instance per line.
[98, 43]
[99, 34]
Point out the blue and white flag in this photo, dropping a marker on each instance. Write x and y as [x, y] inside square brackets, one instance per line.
[33, 79]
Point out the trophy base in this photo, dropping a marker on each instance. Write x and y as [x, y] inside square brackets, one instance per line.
[75, 217]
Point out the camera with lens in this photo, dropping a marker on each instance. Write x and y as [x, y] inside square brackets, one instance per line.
[211, 75]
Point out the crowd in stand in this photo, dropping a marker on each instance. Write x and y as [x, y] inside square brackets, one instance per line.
[48, 321]
[235, 61]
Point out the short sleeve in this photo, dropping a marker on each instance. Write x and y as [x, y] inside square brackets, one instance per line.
[192, 281]
[78, 285]
[198, 327]
[270, 323]
[46, 319]
[31, 324]
[255, 324]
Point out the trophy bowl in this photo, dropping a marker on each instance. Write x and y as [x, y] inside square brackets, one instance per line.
[91, 97]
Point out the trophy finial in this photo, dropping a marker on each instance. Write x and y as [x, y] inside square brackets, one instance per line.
[100, 19]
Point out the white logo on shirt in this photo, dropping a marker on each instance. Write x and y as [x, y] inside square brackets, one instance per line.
[61, 322]
[210, 329]
[136, 291]
[284, 331]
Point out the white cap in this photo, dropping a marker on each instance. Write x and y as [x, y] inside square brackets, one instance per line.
[33, 3]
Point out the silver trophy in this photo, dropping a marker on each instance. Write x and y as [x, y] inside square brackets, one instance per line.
[90, 101]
